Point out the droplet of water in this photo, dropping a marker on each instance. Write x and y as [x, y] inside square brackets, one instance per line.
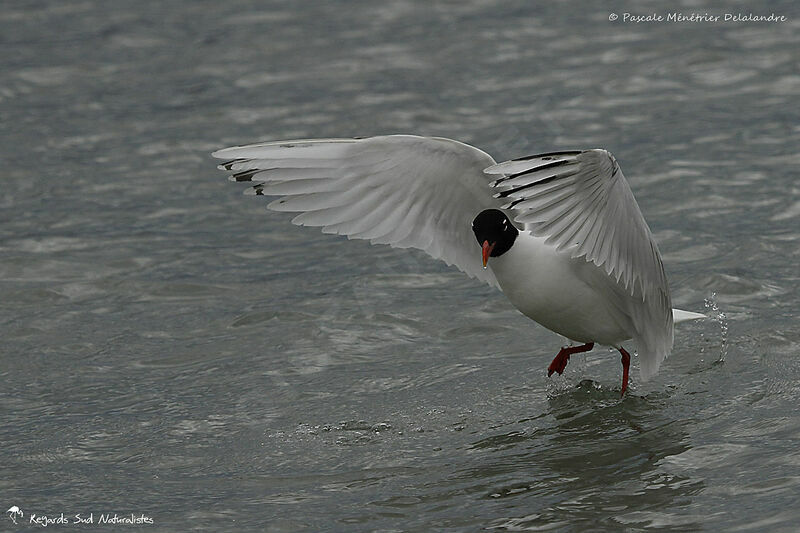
[720, 318]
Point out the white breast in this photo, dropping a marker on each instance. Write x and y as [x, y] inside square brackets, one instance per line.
[554, 290]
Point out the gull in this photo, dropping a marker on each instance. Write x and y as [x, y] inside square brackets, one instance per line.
[559, 233]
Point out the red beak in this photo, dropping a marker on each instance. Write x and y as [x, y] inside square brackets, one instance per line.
[487, 250]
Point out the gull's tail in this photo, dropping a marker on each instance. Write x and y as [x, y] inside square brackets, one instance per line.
[679, 315]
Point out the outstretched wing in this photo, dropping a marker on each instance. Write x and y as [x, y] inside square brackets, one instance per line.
[400, 190]
[582, 204]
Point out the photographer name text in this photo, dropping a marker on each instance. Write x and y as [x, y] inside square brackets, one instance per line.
[697, 17]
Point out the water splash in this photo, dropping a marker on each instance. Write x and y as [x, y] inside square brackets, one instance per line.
[719, 317]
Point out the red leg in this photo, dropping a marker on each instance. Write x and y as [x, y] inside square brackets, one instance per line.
[626, 364]
[562, 358]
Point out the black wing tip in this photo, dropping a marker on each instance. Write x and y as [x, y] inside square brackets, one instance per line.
[552, 164]
[255, 190]
[245, 175]
[227, 165]
[536, 183]
[545, 155]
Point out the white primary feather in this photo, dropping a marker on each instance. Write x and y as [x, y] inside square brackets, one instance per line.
[401, 190]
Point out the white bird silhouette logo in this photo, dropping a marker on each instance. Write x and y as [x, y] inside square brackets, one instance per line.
[13, 512]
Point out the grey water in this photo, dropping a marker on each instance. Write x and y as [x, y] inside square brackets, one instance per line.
[169, 349]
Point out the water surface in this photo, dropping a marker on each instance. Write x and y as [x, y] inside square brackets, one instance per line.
[169, 348]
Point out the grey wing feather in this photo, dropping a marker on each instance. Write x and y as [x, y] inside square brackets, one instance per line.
[582, 204]
[401, 190]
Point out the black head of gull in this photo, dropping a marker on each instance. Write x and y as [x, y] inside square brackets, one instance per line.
[494, 232]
